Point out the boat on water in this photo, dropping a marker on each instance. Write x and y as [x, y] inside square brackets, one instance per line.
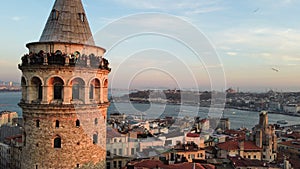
[282, 122]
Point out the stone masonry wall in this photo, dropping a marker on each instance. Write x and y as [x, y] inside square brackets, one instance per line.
[77, 146]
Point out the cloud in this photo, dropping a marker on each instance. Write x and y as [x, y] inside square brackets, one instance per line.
[271, 44]
[191, 6]
[231, 53]
[16, 18]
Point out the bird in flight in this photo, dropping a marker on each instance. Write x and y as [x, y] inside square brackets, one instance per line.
[276, 70]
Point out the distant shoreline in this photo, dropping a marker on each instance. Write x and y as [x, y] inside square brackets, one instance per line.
[7, 90]
[234, 108]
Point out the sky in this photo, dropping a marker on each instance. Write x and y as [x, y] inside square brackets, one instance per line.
[164, 43]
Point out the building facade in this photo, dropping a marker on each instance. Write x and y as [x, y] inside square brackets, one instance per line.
[6, 117]
[64, 94]
[264, 137]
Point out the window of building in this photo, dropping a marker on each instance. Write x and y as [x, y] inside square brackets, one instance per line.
[75, 91]
[132, 151]
[249, 156]
[95, 138]
[78, 88]
[58, 88]
[120, 164]
[77, 165]
[40, 92]
[120, 152]
[77, 123]
[107, 165]
[115, 151]
[96, 121]
[91, 92]
[38, 89]
[254, 156]
[57, 124]
[37, 123]
[82, 17]
[54, 14]
[115, 164]
[108, 153]
[24, 139]
[36, 166]
[57, 142]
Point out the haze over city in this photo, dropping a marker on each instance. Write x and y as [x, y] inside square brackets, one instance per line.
[257, 42]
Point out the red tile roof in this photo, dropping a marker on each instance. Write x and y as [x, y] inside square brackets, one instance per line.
[228, 145]
[249, 145]
[291, 143]
[234, 145]
[111, 133]
[156, 163]
[243, 162]
[294, 135]
[192, 135]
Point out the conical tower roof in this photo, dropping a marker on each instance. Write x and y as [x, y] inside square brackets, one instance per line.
[68, 23]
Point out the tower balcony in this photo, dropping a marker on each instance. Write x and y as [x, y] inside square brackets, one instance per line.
[60, 59]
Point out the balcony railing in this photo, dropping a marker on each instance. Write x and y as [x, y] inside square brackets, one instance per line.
[58, 58]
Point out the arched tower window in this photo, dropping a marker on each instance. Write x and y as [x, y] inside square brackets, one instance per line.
[91, 95]
[24, 88]
[37, 89]
[77, 123]
[95, 90]
[57, 88]
[96, 121]
[77, 89]
[57, 124]
[105, 85]
[105, 90]
[95, 138]
[57, 142]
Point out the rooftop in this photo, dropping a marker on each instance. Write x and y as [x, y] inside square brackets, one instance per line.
[291, 143]
[234, 145]
[111, 133]
[243, 162]
[157, 163]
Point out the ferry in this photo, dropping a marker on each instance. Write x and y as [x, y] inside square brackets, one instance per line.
[282, 122]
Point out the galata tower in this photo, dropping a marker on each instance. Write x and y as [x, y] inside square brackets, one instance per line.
[64, 94]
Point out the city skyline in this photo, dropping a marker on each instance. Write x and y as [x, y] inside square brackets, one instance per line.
[256, 41]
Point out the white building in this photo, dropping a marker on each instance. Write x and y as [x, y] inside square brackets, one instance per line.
[291, 108]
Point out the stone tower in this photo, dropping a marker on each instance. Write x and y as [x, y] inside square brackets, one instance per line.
[265, 138]
[64, 94]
